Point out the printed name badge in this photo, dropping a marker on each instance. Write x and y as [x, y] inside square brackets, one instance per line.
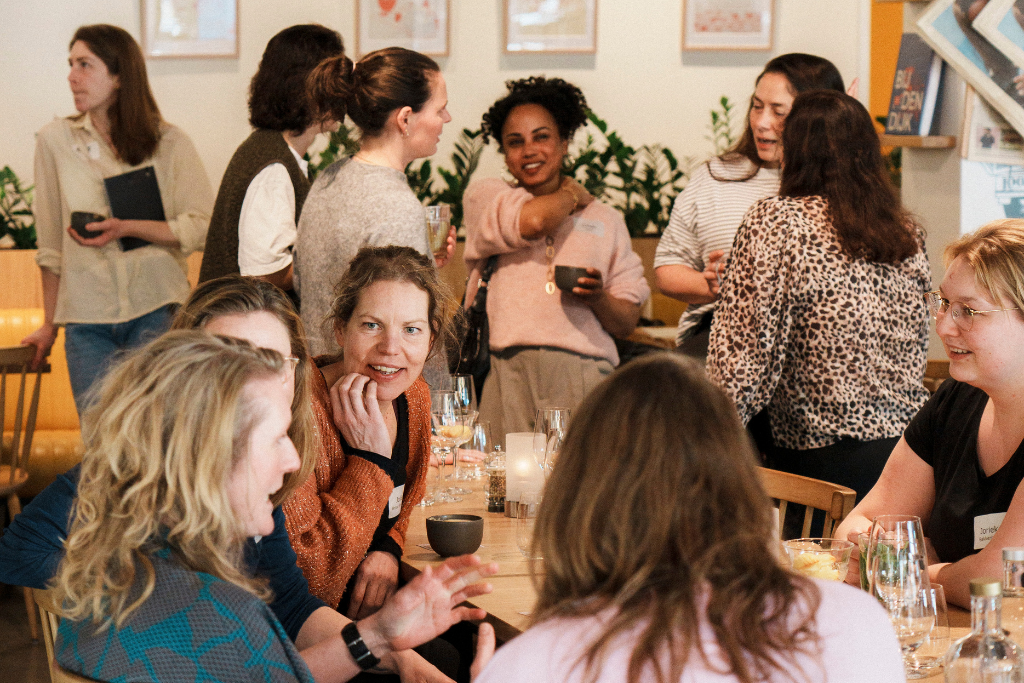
[590, 226]
[985, 527]
[395, 501]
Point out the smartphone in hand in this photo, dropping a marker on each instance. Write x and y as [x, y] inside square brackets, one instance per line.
[79, 219]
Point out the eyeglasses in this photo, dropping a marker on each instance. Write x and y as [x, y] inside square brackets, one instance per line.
[963, 315]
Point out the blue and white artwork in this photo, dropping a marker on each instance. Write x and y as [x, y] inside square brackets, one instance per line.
[1001, 22]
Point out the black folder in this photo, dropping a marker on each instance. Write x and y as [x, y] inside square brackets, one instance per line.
[135, 196]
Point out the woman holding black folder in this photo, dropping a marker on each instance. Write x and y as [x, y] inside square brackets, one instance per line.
[108, 295]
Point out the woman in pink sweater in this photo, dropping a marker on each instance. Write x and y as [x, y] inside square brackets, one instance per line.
[659, 559]
[549, 347]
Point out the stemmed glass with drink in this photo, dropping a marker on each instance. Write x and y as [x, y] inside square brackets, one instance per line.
[465, 402]
[550, 429]
[895, 536]
[444, 426]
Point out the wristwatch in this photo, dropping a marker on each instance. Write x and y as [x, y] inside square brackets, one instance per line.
[357, 648]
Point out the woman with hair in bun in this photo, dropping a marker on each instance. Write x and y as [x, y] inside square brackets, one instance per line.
[548, 347]
[398, 100]
[252, 231]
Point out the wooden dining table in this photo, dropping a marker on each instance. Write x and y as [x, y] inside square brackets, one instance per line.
[510, 604]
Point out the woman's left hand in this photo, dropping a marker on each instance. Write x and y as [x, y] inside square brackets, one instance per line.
[111, 229]
[429, 604]
[591, 287]
[376, 580]
[357, 414]
[442, 261]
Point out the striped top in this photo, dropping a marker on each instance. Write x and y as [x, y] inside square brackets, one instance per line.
[705, 217]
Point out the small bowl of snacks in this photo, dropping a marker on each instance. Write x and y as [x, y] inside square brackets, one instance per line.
[819, 558]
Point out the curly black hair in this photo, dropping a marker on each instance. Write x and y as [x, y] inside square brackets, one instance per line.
[563, 100]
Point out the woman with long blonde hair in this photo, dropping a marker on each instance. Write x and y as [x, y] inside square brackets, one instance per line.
[185, 448]
[659, 557]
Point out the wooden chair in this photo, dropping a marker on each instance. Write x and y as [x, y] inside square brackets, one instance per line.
[50, 613]
[14, 363]
[836, 501]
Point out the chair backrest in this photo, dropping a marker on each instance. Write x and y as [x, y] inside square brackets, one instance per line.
[50, 613]
[14, 363]
[835, 500]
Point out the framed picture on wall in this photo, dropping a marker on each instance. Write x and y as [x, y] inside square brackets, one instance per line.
[946, 26]
[1001, 22]
[728, 24]
[189, 28]
[420, 25]
[550, 26]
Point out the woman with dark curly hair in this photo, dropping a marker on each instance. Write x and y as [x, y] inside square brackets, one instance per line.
[548, 347]
[822, 318]
[252, 231]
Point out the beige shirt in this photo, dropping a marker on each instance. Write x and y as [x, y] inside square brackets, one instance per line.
[105, 284]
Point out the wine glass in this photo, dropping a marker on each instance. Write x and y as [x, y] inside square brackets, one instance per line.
[550, 430]
[480, 442]
[898, 536]
[460, 433]
[929, 658]
[901, 583]
[443, 426]
[465, 402]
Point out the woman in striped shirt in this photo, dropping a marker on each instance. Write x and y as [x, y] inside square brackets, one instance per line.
[708, 212]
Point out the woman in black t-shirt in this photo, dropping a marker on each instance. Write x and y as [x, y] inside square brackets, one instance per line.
[960, 463]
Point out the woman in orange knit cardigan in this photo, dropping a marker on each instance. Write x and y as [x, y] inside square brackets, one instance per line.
[347, 522]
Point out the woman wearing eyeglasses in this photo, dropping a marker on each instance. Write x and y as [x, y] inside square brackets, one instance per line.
[960, 463]
[821, 318]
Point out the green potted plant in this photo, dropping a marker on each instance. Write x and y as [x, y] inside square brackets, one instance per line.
[17, 226]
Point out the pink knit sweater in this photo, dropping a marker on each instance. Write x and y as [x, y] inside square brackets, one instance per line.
[519, 311]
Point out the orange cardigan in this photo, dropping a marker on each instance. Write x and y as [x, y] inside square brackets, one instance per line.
[331, 517]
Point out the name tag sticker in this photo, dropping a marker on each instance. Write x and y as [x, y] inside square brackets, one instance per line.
[395, 501]
[589, 225]
[985, 527]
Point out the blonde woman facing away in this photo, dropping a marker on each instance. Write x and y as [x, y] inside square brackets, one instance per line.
[658, 555]
[185, 448]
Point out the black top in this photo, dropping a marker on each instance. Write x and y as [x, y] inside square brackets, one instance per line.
[395, 468]
[945, 435]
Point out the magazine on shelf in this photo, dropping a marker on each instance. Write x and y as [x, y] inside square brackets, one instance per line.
[915, 88]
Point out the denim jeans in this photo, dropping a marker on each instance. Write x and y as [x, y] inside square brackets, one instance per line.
[91, 348]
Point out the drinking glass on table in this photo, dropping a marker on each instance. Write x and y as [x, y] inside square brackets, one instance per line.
[460, 433]
[896, 536]
[444, 424]
[439, 220]
[478, 446]
[900, 582]
[526, 519]
[465, 402]
[928, 658]
[550, 430]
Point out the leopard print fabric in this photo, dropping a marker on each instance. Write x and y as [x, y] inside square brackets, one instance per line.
[833, 346]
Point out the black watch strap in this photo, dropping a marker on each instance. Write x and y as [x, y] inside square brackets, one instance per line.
[357, 648]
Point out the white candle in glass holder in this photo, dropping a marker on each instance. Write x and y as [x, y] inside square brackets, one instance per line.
[523, 473]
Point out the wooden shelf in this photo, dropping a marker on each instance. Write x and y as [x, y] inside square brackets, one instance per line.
[922, 141]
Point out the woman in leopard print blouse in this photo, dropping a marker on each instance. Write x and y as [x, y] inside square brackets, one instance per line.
[822, 316]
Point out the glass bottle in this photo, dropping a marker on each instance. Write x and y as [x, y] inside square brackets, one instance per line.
[986, 654]
[1013, 592]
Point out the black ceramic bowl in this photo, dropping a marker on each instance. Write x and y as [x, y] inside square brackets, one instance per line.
[452, 535]
[567, 277]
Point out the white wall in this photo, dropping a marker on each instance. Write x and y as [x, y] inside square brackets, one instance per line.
[640, 81]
